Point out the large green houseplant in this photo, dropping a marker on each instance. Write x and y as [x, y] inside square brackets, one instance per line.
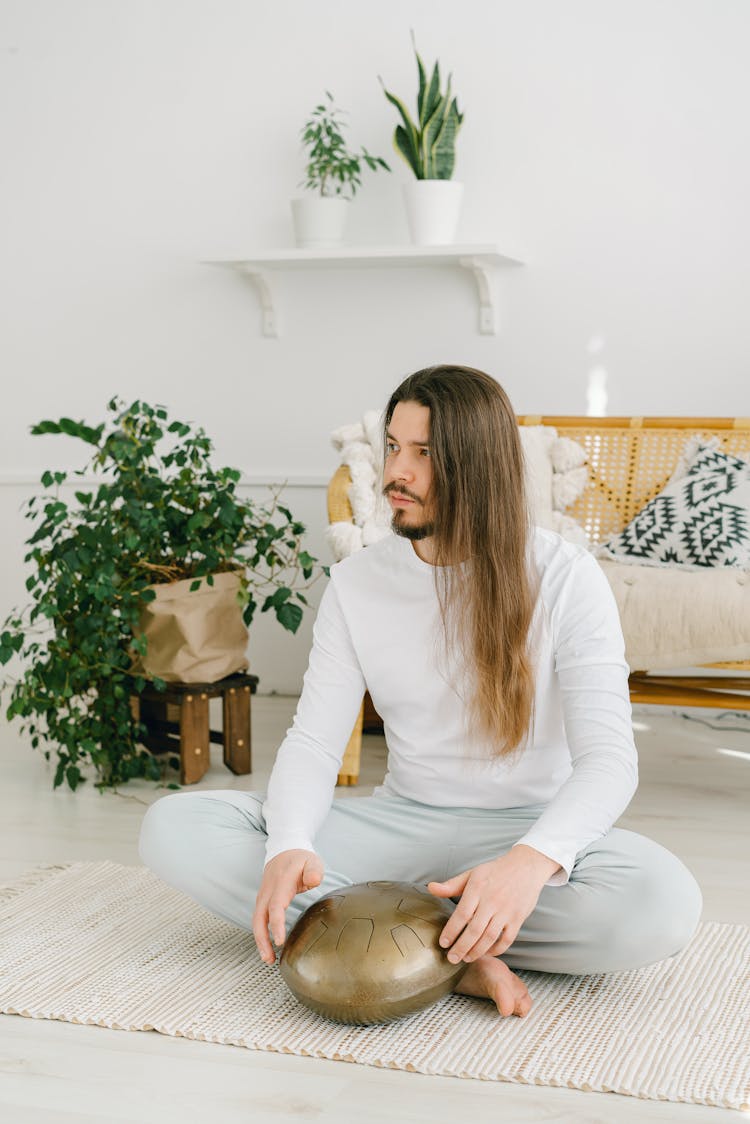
[160, 513]
[428, 145]
[333, 174]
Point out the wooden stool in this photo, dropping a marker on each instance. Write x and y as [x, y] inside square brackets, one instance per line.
[176, 721]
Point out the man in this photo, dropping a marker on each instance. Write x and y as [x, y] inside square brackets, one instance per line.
[494, 653]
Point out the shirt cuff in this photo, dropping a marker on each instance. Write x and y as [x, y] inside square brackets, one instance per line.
[274, 846]
[550, 851]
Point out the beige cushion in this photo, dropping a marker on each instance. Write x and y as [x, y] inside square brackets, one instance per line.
[681, 618]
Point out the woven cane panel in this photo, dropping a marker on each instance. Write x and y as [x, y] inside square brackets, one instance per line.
[339, 508]
[630, 461]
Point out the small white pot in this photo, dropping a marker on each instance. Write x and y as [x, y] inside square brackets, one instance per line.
[319, 221]
[432, 210]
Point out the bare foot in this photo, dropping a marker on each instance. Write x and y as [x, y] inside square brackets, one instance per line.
[490, 978]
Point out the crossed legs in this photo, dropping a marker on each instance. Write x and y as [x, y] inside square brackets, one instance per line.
[628, 902]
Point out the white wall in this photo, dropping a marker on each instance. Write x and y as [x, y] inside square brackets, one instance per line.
[608, 139]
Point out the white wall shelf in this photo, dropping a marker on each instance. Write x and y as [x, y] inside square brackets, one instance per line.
[481, 260]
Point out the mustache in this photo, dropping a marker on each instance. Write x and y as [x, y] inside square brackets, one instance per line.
[400, 491]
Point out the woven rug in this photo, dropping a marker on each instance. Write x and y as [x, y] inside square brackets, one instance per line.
[111, 946]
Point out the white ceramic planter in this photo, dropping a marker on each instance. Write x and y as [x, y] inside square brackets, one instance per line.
[432, 210]
[319, 221]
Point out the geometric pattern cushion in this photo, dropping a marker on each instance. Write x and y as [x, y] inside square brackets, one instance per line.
[700, 520]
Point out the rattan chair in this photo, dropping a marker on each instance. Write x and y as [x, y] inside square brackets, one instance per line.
[340, 511]
[630, 460]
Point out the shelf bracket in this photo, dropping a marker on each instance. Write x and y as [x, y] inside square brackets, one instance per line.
[265, 292]
[481, 270]
[481, 260]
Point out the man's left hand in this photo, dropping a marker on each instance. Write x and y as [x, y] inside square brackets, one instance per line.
[496, 898]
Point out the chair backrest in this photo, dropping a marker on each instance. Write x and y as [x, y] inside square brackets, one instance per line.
[631, 459]
[339, 507]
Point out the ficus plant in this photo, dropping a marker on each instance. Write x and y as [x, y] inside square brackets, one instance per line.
[428, 145]
[332, 168]
[160, 512]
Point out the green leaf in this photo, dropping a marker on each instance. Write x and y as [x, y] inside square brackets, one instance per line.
[71, 428]
[45, 427]
[406, 137]
[432, 100]
[431, 131]
[277, 598]
[409, 125]
[443, 152]
[289, 615]
[60, 770]
[73, 776]
[422, 76]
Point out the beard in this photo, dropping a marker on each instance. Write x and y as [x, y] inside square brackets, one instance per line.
[413, 532]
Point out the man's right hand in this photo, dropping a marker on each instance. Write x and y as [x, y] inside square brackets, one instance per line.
[287, 874]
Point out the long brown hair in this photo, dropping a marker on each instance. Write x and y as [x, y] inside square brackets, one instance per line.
[478, 497]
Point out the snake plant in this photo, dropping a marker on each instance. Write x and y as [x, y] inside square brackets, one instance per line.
[428, 147]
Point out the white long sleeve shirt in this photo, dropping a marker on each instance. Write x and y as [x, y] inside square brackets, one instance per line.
[378, 628]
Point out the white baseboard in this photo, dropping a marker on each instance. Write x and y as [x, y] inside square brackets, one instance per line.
[23, 478]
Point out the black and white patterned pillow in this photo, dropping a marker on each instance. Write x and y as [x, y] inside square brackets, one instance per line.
[698, 521]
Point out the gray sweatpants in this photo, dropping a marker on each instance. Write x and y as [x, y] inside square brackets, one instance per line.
[628, 902]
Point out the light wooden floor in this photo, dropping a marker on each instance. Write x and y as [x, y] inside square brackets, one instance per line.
[693, 798]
